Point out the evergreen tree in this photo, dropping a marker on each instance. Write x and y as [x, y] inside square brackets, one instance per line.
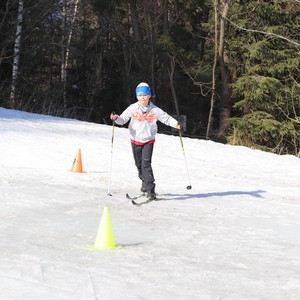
[266, 88]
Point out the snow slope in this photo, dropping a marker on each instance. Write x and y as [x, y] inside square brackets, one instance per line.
[235, 235]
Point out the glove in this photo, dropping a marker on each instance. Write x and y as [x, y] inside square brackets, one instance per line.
[114, 116]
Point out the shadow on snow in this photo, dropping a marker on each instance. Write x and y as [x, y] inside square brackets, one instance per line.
[255, 194]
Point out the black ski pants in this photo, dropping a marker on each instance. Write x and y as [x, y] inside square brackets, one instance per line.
[142, 155]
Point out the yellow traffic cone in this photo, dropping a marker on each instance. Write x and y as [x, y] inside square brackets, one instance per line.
[105, 238]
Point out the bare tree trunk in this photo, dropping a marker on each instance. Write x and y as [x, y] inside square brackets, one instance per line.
[151, 39]
[171, 77]
[5, 14]
[65, 60]
[136, 29]
[225, 105]
[16, 62]
[164, 61]
[165, 14]
[212, 99]
[127, 68]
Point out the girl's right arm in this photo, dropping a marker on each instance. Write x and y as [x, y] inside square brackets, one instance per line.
[125, 116]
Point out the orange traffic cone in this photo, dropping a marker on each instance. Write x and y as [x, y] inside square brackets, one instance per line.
[77, 163]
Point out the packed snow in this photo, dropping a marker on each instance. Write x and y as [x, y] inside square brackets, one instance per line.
[234, 235]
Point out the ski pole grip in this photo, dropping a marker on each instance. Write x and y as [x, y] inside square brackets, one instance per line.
[111, 116]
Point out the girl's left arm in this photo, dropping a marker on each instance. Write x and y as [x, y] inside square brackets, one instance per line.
[167, 119]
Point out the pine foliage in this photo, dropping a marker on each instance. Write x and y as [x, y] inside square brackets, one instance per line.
[267, 92]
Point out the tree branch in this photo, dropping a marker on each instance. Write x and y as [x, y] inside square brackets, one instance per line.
[265, 33]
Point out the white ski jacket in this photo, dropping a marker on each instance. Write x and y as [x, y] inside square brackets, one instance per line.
[142, 126]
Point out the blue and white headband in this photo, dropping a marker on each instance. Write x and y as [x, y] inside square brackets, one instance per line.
[143, 89]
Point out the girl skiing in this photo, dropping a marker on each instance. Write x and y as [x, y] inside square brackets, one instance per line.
[143, 116]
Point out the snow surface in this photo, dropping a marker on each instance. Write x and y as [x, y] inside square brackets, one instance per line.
[235, 235]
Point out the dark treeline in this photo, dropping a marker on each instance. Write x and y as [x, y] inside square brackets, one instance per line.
[231, 67]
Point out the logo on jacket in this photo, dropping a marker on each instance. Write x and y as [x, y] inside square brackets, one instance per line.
[141, 117]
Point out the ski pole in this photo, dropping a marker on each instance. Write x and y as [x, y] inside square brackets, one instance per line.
[187, 171]
[111, 156]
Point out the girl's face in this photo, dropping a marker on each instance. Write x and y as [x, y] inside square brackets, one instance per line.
[143, 99]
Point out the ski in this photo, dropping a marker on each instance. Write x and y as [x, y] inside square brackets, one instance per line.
[142, 203]
[137, 197]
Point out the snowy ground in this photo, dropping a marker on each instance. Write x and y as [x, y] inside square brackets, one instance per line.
[235, 235]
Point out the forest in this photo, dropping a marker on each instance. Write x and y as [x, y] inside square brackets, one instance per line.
[228, 70]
